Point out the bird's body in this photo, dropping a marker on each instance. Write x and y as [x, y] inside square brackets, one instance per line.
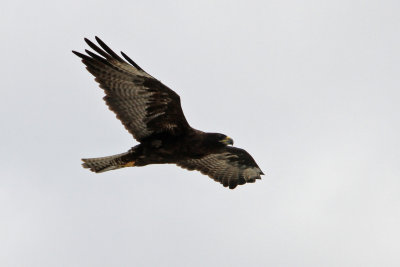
[152, 113]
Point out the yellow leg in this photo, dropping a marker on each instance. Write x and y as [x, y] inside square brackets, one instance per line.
[129, 164]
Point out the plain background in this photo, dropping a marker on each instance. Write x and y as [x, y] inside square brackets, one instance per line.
[309, 88]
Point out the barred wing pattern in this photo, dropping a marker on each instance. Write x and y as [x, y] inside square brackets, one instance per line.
[143, 104]
[230, 167]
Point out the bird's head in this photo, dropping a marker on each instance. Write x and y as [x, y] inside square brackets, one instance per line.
[223, 139]
[226, 140]
[218, 140]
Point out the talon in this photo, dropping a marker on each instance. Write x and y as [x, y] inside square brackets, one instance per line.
[129, 164]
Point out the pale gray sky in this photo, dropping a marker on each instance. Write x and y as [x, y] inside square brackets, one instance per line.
[309, 88]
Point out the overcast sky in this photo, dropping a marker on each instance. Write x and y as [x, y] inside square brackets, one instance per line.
[309, 88]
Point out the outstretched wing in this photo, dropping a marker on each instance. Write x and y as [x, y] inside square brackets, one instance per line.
[143, 104]
[231, 167]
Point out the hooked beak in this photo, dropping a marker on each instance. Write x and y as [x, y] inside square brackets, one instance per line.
[227, 141]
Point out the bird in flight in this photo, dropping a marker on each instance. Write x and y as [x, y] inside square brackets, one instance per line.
[152, 113]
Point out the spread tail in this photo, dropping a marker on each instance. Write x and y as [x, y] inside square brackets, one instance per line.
[109, 163]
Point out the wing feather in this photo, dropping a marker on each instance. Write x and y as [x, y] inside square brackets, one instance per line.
[143, 104]
[231, 167]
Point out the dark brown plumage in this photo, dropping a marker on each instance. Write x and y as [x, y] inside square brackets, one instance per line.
[152, 113]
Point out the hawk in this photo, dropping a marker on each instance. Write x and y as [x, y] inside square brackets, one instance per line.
[152, 113]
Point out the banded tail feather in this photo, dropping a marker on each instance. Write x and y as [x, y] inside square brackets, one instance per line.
[109, 163]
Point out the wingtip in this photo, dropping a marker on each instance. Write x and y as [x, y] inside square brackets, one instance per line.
[78, 54]
[98, 40]
[233, 186]
[89, 43]
[131, 61]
